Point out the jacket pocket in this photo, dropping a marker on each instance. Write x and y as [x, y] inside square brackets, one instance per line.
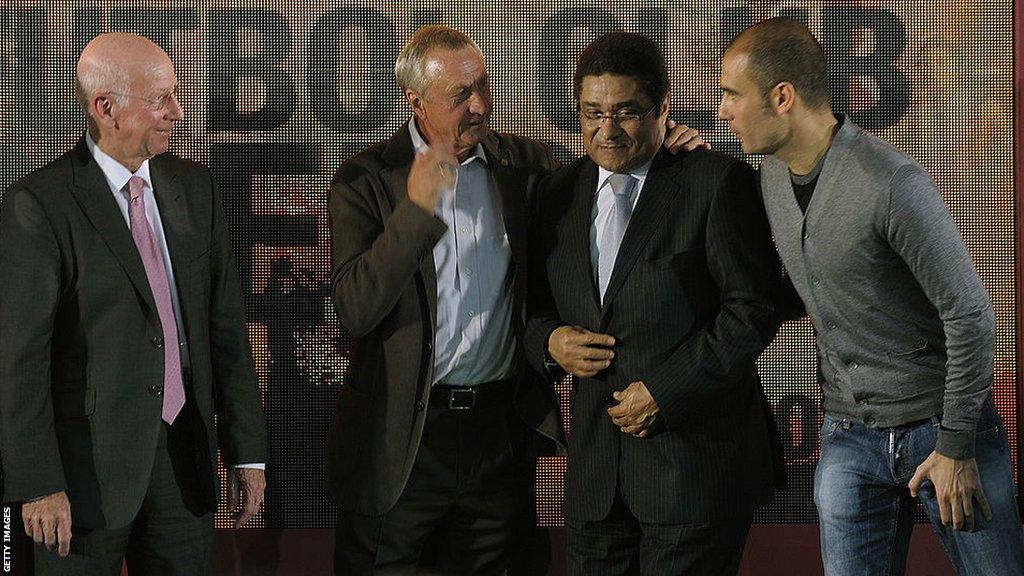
[74, 403]
[914, 351]
[667, 261]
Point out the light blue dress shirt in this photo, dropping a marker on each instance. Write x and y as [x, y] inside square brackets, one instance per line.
[473, 341]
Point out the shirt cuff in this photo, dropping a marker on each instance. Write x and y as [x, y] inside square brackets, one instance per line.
[256, 465]
[552, 368]
[955, 444]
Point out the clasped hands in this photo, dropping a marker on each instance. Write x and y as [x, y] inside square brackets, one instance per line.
[583, 353]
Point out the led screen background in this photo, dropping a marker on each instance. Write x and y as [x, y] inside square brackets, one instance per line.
[277, 94]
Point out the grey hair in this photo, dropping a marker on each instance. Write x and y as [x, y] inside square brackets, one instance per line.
[409, 67]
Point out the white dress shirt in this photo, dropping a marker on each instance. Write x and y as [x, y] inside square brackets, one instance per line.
[117, 176]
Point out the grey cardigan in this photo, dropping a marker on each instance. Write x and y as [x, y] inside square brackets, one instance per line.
[905, 329]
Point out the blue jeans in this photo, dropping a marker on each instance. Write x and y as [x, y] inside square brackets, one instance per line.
[867, 513]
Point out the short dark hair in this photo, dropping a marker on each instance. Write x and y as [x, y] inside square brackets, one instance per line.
[784, 50]
[624, 54]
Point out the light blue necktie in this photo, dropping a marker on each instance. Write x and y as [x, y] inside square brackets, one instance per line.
[615, 228]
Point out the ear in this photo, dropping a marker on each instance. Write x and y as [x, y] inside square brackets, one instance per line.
[416, 102]
[101, 108]
[783, 97]
[663, 110]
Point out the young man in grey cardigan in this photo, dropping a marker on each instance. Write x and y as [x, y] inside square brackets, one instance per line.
[905, 330]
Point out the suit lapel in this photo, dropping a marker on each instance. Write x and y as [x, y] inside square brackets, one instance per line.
[508, 183]
[658, 192]
[578, 233]
[399, 154]
[93, 195]
[176, 223]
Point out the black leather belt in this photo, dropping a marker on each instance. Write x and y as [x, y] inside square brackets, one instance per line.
[470, 397]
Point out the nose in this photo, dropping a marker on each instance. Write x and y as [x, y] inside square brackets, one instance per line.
[722, 112]
[174, 110]
[609, 128]
[479, 105]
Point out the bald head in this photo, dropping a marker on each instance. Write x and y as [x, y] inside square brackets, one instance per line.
[115, 62]
[783, 50]
[126, 84]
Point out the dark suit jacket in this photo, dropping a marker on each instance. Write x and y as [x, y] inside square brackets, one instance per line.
[384, 286]
[689, 304]
[82, 342]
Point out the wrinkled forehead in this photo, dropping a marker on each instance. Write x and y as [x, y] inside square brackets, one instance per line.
[459, 67]
[152, 75]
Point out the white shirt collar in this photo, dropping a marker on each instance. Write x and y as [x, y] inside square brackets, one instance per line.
[640, 173]
[116, 174]
[421, 146]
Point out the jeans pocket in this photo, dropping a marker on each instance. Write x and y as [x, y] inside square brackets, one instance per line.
[829, 428]
[990, 431]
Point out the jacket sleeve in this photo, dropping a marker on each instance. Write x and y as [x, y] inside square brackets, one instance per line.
[240, 420]
[29, 295]
[373, 258]
[542, 313]
[707, 366]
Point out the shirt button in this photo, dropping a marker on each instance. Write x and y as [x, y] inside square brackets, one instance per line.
[832, 326]
[854, 365]
[420, 406]
[157, 342]
[156, 390]
[815, 280]
[863, 402]
[807, 235]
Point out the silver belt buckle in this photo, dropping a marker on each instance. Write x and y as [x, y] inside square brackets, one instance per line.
[461, 398]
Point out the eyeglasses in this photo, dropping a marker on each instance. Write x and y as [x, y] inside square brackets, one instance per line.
[622, 118]
[158, 103]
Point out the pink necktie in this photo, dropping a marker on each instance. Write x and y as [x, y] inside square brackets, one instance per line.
[156, 273]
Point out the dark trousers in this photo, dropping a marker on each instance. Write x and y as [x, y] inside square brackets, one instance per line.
[466, 504]
[172, 534]
[621, 545]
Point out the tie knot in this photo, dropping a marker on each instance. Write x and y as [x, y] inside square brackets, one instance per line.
[135, 186]
[621, 184]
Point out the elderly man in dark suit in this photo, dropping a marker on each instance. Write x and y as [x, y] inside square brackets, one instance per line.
[123, 336]
[650, 282]
[436, 427]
